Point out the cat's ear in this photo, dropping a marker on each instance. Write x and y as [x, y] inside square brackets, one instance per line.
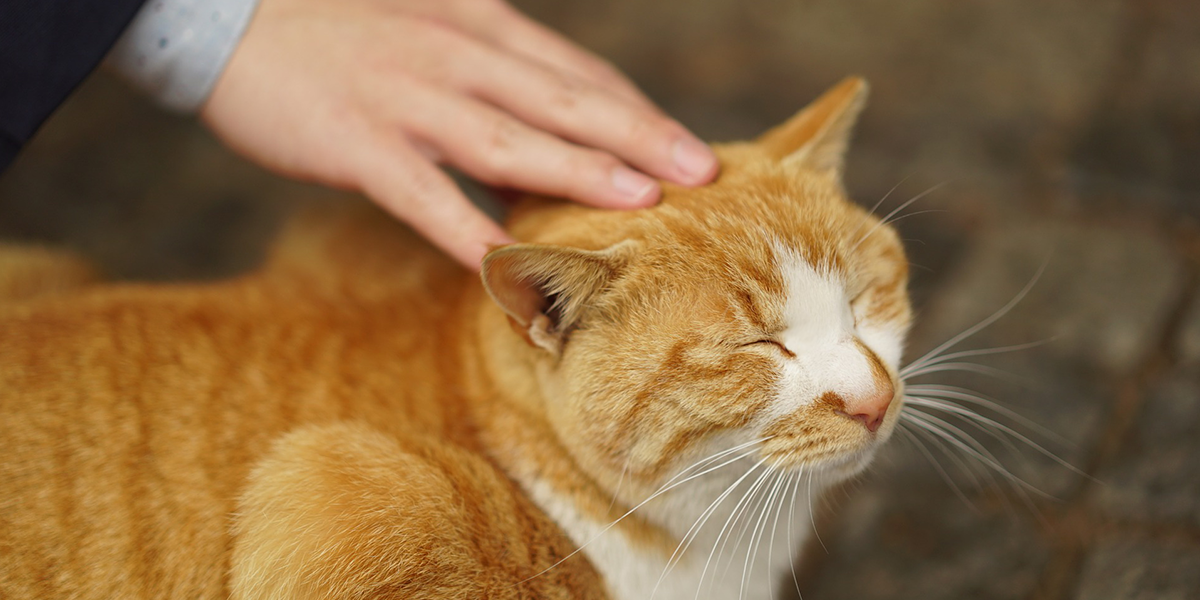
[543, 289]
[817, 137]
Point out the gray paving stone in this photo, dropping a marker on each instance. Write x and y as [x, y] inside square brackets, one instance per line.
[919, 541]
[1156, 476]
[1134, 569]
[1104, 297]
[1189, 336]
[1138, 147]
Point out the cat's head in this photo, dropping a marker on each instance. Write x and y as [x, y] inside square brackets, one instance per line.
[764, 305]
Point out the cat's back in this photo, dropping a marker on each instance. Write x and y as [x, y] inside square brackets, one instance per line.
[132, 414]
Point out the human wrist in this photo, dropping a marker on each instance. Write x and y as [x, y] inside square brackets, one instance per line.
[175, 50]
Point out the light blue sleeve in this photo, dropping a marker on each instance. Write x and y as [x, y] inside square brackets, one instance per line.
[174, 50]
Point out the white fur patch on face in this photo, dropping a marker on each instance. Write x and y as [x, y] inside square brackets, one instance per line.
[821, 333]
[885, 340]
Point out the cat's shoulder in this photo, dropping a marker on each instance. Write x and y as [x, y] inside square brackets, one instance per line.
[400, 512]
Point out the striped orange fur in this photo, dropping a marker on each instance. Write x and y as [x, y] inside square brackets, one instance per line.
[362, 419]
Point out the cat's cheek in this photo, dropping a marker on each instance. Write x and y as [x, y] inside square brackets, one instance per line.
[735, 399]
[885, 339]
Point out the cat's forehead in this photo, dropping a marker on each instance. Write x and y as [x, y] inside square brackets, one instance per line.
[760, 223]
[758, 242]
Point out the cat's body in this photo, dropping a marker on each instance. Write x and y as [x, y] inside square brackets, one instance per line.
[360, 419]
[133, 416]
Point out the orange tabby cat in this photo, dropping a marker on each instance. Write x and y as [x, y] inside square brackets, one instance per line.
[360, 419]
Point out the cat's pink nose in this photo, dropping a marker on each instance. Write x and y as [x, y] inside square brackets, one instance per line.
[871, 409]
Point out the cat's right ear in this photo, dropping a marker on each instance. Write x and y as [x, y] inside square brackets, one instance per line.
[543, 289]
[817, 137]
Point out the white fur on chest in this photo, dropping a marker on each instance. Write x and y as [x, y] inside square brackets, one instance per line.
[746, 562]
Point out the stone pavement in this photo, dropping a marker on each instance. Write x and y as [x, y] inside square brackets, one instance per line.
[1066, 134]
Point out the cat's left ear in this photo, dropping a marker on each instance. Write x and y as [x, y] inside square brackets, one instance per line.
[817, 137]
[543, 289]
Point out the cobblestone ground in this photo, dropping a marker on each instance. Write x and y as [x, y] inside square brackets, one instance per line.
[1064, 135]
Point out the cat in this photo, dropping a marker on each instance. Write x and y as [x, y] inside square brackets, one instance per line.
[360, 418]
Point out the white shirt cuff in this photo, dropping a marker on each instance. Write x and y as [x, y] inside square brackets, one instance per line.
[174, 50]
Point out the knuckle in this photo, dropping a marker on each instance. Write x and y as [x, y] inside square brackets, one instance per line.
[421, 190]
[599, 163]
[649, 130]
[566, 94]
[501, 136]
[496, 154]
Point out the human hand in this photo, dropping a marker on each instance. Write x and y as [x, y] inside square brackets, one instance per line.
[370, 95]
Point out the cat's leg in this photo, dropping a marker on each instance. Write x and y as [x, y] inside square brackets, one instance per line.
[28, 271]
[345, 511]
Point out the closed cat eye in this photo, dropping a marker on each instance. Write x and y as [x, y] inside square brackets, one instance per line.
[775, 343]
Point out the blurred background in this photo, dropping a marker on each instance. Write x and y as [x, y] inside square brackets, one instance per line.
[1064, 134]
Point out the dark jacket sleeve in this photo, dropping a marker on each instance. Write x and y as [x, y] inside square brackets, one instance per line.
[47, 47]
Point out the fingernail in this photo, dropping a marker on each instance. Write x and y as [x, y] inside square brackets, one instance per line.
[635, 187]
[694, 160]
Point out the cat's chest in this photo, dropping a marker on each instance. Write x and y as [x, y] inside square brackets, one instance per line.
[743, 546]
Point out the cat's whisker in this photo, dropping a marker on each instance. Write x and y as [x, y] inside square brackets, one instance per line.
[791, 527]
[753, 517]
[887, 195]
[967, 415]
[759, 531]
[970, 368]
[694, 531]
[749, 513]
[972, 447]
[712, 458]
[936, 361]
[1018, 485]
[966, 395]
[735, 515]
[915, 213]
[775, 527]
[922, 267]
[981, 420]
[969, 353]
[884, 220]
[874, 208]
[812, 518]
[919, 445]
[945, 431]
[976, 328]
[968, 468]
[664, 489]
[620, 481]
[911, 436]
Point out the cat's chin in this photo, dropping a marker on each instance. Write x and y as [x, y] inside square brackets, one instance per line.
[848, 466]
[828, 469]
[833, 466]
